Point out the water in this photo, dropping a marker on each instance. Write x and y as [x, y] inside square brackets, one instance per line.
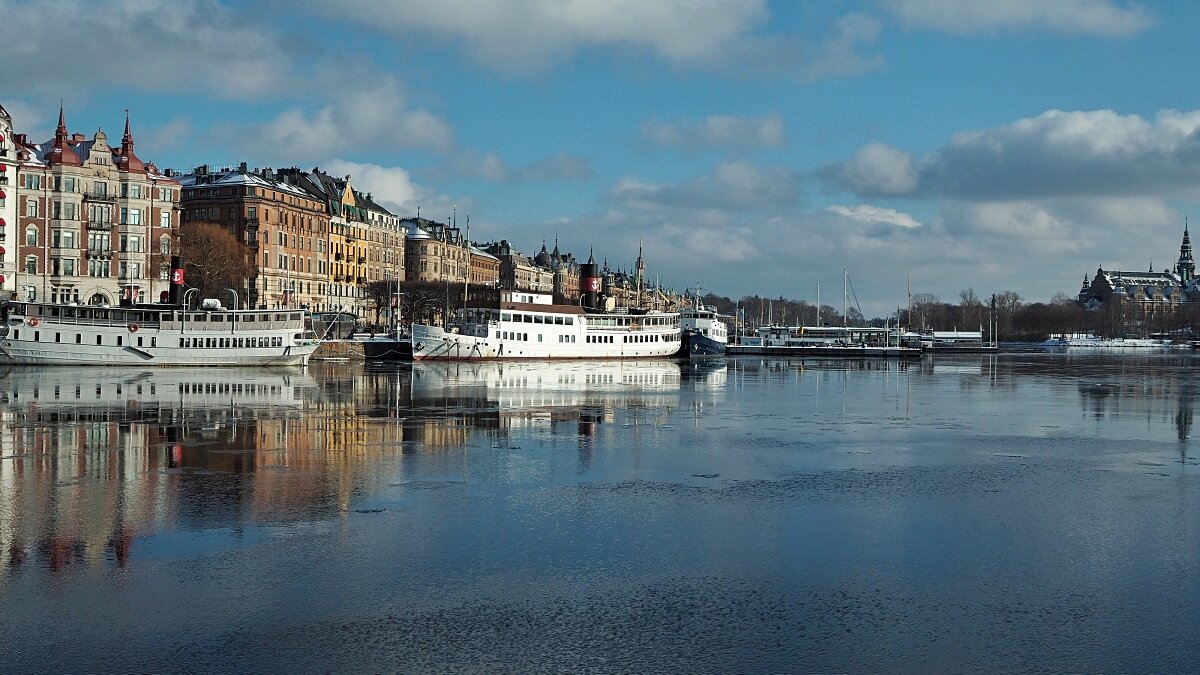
[1014, 512]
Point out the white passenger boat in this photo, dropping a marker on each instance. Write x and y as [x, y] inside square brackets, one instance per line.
[524, 325]
[33, 333]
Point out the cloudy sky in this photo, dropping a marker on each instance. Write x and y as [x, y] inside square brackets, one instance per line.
[752, 146]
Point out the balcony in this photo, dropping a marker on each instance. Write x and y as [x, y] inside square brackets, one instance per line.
[337, 256]
[92, 195]
[362, 280]
[3, 179]
[99, 252]
[362, 259]
[100, 227]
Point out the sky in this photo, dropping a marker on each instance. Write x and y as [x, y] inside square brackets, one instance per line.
[749, 146]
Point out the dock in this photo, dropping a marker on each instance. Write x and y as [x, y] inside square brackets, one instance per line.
[841, 351]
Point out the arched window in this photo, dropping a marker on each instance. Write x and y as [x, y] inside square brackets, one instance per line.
[31, 236]
[164, 244]
[31, 264]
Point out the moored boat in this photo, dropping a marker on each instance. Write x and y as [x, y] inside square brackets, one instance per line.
[529, 326]
[703, 332]
[34, 333]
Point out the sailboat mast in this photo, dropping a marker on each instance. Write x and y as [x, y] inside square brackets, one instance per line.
[845, 297]
[467, 274]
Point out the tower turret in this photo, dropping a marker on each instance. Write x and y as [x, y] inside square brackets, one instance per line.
[1186, 267]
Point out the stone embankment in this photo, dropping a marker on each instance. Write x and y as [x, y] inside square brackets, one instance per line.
[339, 349]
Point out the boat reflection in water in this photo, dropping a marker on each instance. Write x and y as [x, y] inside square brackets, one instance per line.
[95, 462]
[503, 395]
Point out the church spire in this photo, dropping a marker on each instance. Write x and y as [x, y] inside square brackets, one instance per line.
[1186, 267]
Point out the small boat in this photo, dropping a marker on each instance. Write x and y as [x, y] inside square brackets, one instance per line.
[390, 347]
[52, 334]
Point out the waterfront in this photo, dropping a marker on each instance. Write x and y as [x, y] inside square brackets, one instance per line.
[1011, 512]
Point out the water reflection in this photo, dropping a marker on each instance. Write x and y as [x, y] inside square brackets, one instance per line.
[92, 459]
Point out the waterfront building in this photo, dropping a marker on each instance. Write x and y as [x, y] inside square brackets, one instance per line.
[285, 228]
[1150, 291]
[485, 268]
[564, 270]
[517, 271]
[434, 252]
[367, 242]
[95, 223]
[315, 240]
[8, 206]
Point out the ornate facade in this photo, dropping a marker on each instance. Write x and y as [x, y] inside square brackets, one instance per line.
[8, 206]
[1152, 292]
[95, 224]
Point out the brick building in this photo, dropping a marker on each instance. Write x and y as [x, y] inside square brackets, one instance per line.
[95, 224]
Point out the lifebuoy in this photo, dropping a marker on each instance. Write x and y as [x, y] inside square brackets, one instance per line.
[33, 322]
[133, 327]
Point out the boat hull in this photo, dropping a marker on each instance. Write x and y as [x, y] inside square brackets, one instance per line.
[387, 349]
[697, 346]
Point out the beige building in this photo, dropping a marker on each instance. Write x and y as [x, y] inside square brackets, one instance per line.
[95, 223]
[434, 252]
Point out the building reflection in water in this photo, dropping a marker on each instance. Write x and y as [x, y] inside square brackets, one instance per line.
[93, 459]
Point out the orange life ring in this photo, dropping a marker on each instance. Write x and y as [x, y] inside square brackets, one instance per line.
[33, 322]
[133, 327]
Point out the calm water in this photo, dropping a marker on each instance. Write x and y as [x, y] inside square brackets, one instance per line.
[1016, 512]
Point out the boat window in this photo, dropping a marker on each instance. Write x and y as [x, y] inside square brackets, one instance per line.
[217, 318]
[506, 316]
[558, 321]
[264, 317]
[79, 338]
[568, 320]
[200, 318]
[296, 316]
[281, 317]
[537, 318]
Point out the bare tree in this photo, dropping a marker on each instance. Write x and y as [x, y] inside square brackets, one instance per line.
[214, 259]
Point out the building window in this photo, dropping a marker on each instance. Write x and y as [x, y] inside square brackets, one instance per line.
[164, 244]
[31, 264]
[33, 181]
[31, 207]
[164, 218]
[31, 236]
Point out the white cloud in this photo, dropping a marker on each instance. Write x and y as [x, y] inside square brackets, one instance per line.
[718, 131]
[1096, 17]
[729, 186]
[875, 215]
[353, 119]
[532, 34]
[1054, 155]
[391, 186]
[492, 168]
[879, 169]
[141, 44]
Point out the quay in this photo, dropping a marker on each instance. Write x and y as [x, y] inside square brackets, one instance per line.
[842, 351]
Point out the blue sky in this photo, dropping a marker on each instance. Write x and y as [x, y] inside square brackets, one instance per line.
[751, 146]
